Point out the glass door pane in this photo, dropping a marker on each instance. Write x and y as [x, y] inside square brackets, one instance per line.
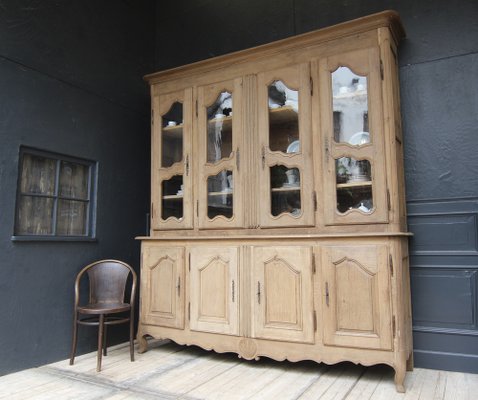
[172, 204]
[350, 107]
[172, 136]
[354, 185]
[285, 188]
[220, 195]
[219, 128]
[283, 118]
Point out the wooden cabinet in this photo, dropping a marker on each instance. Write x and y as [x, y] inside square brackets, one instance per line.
[278, 224]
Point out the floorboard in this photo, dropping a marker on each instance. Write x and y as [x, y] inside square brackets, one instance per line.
[171, 372]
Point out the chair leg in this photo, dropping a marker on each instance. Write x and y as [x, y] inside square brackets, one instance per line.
[131, 337]
[100, 342]
[105, 335]
[74, 341]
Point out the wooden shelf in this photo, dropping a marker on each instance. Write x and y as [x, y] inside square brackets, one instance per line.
[286, 189]
[351, 95]
[172, 197]
[354, 184]
[283, 115]
[220, 193]
[173, 131]
[226, 122]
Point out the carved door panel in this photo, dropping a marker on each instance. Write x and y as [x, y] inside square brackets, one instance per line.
[356, 296]
[162, 286]
[171, 186]
[282, 294]
[355, 186]
[286, 194]
[214, 290]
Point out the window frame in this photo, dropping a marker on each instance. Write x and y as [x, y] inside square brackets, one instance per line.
[90, 222]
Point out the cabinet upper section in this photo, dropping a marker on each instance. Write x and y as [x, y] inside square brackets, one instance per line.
[301, 133]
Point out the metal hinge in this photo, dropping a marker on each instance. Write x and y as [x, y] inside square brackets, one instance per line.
[315, 321]
[390, 261]
[389, 205]
[189, 311]
[152, 116]
[311, 86]
[189, 263]
[381, 69]
[238, 159]
[263, 157]
[152, 210]
[394, 327]
[197, 108]
[197, 208]
[314, 268]
[314, 199]
[326, 149]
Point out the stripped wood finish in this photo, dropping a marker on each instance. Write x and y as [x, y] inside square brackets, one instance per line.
[170, 371]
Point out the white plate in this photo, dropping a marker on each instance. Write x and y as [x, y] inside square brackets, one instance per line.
[294, 147]
[359, 138]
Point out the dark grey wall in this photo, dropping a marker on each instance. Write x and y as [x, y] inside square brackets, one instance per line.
[70, 82]
[439, 89]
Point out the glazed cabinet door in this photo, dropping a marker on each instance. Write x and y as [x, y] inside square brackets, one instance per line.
[282, 294]
[162, 286]
[214, 280]
[356, 296]
[284, 122]
[172, 206]
[353, 144]
[220, 135]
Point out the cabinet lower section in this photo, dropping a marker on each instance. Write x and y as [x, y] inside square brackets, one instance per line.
[327, 300]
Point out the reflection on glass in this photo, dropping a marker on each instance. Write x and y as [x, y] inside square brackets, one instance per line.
[35, 215]
[38, 175]
[172, 136]
[219, 128]
[354, 185]
[220, 190]
[285, 191]
[172, 200]
[74, 180]
[71, 218]
[283, 118]
[350, 107]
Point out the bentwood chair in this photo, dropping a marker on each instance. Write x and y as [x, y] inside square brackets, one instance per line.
[106, 305]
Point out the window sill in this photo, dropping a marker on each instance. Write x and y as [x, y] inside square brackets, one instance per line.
[53, 239]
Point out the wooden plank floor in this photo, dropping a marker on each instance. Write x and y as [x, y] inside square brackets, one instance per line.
[169, 371]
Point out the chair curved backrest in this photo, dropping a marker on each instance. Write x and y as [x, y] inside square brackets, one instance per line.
[108, 280]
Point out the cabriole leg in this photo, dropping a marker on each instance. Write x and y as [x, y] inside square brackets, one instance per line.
[142, 342]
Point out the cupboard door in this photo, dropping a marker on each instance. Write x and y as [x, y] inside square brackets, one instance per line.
[356, 296]
[162, 286]
[282, 307]
[220, 135]
[351, 119]
[171, 161]
[214, 291]
[284, 120]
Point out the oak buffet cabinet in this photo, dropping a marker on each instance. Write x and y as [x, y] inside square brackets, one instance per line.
[278, 221]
